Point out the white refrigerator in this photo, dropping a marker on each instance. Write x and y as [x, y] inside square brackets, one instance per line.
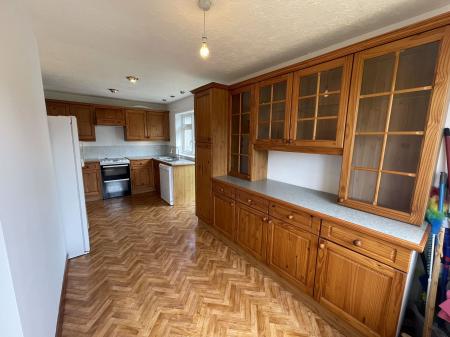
[69, 179]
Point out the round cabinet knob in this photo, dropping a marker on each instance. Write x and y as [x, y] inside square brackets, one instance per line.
[321, 245]
[265, 219]
[290, 217]
[249, 201]
[357, 243]
[231, 203]
[270, 222]
[221, 189]
[341, 199]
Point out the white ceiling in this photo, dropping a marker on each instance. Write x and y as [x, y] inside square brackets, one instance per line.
[87, 46]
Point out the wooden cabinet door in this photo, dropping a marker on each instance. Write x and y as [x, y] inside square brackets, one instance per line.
[292, 252]
[57, 108]
[92, 181]
[85, 120]
[158, 125]
[224, 215]
[202, 110]
[156, 179]
[319, 104]
[203, 183]
[273, 110]
[363, 292]
[252, 230]
[397, 109]
[135, 125]
[109, 116]
[142, 179]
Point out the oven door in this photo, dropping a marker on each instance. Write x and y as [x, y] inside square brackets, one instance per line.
[115, 172]
[116, 180]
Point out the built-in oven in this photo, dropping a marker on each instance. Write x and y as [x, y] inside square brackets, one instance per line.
[115, 177]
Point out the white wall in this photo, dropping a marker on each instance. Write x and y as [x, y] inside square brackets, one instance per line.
[31, 228]
[182, 105]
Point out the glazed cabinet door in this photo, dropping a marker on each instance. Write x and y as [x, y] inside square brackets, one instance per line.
[292, 253]
[251, 230]
[85, 120]
[396, 113]
[203, 186]
[273, 105]
[363, 292]
[202, 111]
[319, 108]
[224, 215]
[135, 125]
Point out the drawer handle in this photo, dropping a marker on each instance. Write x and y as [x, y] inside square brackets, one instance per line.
[357, 243]
[249, 201]
[290, 217]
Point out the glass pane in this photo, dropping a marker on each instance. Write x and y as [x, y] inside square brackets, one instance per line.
[278, 110]
[263, 131]
[235, 124]
[396, 192]
[328, 105]
[279, 91]
[235, 101]
[306, 107]
[377, 74]
[234, 163]
[244, 165]
[244, 144]
[305, 130]
[367, 151]
[409, 111]
[264, 113]
[330, 80]
[277, 131]
[416, 66]
[308, 85]
[245, 123]
[264, 94]
[234, 144]
[362, 185]
[372, 113]
[402, 153]
[245, 102]
[326, 129]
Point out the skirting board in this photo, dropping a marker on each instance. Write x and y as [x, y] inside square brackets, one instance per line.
[62, 301]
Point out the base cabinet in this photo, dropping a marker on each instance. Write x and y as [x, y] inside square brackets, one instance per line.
[292, 252]
[142, 176]
[365, 293]
[92, 181]
[251, 230]
[224, 215]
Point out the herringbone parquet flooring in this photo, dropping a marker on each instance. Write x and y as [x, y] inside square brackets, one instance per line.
[153, 271]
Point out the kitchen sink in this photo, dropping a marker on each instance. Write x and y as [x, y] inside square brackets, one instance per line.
[167, 158]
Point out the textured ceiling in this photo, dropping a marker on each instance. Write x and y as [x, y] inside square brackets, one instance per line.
[87, 46]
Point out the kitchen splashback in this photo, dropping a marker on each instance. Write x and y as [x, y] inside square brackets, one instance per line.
[97, 152]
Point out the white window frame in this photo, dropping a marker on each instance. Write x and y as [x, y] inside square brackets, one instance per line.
[180, 136]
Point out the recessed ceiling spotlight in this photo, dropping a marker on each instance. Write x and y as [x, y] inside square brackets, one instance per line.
[164, 100]
[172, 96]
[132, 79]
[114, 91]
[182, 92]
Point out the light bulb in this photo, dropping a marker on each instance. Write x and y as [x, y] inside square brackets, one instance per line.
[204, 50]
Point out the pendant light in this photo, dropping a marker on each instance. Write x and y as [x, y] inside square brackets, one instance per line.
[204, 50]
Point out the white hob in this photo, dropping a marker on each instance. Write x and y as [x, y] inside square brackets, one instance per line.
[114, 161]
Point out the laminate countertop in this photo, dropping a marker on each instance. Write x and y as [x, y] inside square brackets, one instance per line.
[325, 206]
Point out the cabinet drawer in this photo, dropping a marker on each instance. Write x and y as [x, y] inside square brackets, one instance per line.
[140, 163]
[223, 189]
[91, 166]
[253, 201]
[377, 249]
[294, 217]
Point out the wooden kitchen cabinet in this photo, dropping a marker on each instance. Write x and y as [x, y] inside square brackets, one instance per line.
[396, 114]
[273, 109]
[203, 191]
[55, 108]
[252, 230]
[85, 120]
[319, 104]
[142, 176]
[363, 292]
[92, 181]
[292, 253]
[146, 125]
[114, 116]
[224, 215]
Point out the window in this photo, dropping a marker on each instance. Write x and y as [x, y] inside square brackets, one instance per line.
[185, 133]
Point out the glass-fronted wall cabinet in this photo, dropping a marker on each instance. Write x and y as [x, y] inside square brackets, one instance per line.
[240, 140]
[396, 112]
[273, 106]
[319, 104]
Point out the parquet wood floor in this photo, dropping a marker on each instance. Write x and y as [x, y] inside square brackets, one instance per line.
[154, 271]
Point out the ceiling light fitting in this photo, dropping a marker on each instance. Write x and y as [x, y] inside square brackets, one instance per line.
[114, 91]
[132, 79]
[204, 5]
